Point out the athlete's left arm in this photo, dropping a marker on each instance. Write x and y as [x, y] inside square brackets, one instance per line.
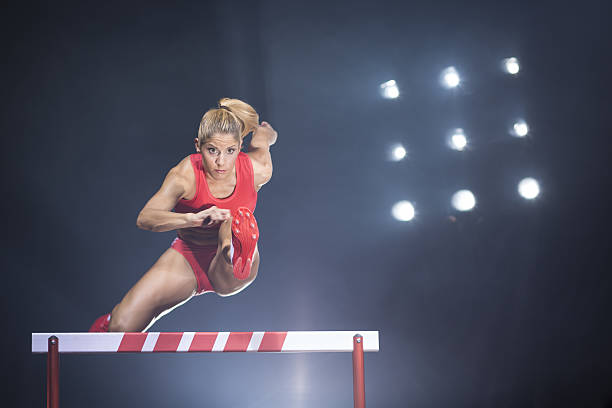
[259, 152]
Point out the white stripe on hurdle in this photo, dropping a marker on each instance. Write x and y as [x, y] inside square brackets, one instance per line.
[185, 341]
[220, 341]
[149, 343]
[255, 341]
[309, 341]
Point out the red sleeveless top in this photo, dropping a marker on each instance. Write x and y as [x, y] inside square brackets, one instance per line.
[244, 194]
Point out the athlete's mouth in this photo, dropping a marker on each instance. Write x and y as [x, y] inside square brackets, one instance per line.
[220, 171]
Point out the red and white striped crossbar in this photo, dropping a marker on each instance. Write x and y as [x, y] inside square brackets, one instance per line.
[280, 342]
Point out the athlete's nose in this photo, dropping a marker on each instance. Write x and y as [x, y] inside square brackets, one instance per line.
[220, 160]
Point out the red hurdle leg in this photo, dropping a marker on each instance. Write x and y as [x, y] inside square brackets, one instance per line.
[358, 377]
[53, 373]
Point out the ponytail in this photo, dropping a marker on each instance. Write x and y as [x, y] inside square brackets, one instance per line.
[233, 116]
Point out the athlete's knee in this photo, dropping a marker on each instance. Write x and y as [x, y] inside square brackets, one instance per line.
[121, 321]
[118, 324]
[225, 292]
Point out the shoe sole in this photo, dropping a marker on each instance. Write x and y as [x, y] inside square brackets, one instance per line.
[245, 235]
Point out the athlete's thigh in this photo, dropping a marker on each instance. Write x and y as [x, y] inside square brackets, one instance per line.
[168, 282]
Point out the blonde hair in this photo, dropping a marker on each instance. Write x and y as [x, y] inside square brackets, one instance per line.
[233, 116]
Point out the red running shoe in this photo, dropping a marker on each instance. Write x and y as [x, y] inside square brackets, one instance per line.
[101, 324]
[244, 238]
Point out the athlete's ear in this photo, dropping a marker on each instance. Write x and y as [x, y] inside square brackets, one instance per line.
[197, 144]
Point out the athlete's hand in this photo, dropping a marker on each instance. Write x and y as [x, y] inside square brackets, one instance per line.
[209, 216]
[266, 132]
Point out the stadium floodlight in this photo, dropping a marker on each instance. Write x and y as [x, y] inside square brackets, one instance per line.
[457, 139]
[463, 200]
[511, 65]
[389, 90]
[519, 128]
[397, 153]
[529, 188]
[403, 211]
[450, 78]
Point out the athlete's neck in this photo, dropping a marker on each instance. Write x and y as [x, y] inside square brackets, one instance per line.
[220, 178]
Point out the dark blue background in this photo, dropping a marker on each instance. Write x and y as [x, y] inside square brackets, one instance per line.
[508, 306]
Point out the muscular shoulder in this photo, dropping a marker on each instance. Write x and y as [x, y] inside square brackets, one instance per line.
[183, 175]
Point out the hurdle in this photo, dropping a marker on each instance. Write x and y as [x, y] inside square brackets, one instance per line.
[356, 342]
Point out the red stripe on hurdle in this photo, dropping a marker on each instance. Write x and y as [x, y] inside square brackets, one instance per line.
[272, 341]
[132, 342]
[203, 341]
[167, 342]
[238, 341]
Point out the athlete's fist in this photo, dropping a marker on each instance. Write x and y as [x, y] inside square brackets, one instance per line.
[209, 216]
[266, 132]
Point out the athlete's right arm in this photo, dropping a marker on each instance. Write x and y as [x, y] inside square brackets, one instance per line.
[157, 216]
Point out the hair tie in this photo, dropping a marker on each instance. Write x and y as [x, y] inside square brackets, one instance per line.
[225, 108]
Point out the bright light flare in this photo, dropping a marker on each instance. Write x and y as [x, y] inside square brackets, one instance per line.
[457, 140]
[520, 128]
[403, 211]
[398, 152]
[463, 200]
[511, 65]
[529, 188]
[450, 78]
[389, 90]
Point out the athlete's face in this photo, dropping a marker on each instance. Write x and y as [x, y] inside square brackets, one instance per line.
[219, 154]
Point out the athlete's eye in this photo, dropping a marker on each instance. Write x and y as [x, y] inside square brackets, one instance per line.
[211, 150]
[231, 150]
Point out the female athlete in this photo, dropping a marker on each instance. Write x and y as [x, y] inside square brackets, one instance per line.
[209, 198]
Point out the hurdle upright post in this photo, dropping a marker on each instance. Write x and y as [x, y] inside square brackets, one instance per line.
[358, 375]
[53, 372]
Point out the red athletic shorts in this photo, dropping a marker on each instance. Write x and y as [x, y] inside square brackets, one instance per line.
[199, 257]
